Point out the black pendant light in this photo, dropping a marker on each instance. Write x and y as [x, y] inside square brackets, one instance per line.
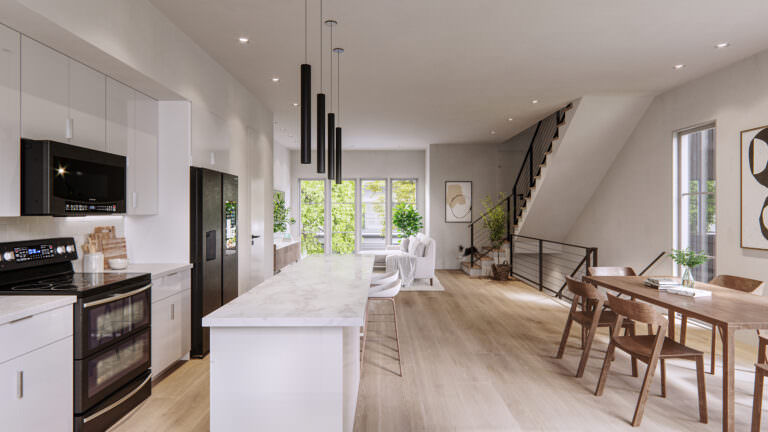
[321, 106]
[338, 52]
[331, 116]
[305, 119]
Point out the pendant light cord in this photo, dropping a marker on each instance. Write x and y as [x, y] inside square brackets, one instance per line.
[322, 84]
[338, 83]
[306, 26]
[331, 68]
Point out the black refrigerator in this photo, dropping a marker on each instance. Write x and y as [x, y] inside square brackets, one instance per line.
[213, 248]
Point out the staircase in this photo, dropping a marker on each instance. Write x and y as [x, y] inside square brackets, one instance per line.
[486, 251]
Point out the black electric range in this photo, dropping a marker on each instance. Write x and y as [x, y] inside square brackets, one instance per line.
[112, 322]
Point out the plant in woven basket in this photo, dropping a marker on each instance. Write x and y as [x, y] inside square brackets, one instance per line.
[406, 219]
[495, 221]
[689, 259]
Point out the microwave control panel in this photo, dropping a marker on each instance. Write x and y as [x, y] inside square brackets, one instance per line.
[74, 207]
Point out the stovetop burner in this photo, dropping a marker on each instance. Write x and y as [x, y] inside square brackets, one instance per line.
[79, 284]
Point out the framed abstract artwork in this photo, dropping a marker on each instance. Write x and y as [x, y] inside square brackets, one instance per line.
[458, 201]
[754, 188]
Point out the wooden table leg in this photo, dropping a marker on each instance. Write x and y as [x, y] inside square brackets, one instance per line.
[729, 375]
[671, 330]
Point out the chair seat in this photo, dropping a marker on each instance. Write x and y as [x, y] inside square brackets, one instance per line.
[641, 346]
[607, 318]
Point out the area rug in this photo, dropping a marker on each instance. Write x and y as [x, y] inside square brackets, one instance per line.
[423, 285]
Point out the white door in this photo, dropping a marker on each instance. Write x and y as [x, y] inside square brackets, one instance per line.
[44, 92]
[120, 117]
[260, 188]
[143, 159]
[9, 122]
[87, 106]
[36, 389]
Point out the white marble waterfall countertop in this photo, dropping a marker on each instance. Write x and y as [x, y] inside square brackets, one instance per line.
[318, 291]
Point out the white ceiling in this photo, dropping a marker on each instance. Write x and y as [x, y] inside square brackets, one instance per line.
[448, 71]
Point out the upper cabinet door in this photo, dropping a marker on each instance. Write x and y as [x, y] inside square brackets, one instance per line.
[44, 92]
[120, 117]
[143, 159]
[87, 106]
[10, 116]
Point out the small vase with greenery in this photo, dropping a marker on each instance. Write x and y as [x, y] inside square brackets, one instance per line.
[406, 219]
[281, 214]
[689, 260]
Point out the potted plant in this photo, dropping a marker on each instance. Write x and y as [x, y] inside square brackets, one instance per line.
[281, 214]
[689, 259]
[406, 219]
[495, 221]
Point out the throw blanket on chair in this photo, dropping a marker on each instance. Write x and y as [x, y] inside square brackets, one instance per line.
[405, 264]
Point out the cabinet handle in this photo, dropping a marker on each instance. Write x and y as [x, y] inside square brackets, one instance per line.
[70, 128]
[173, 310]
[134, 200]
[19, 384]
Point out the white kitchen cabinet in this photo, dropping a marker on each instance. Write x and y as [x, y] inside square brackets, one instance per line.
[171, 314]
[87, 107]
[143, 159]
[120, 117]
[10, 116]
[36, 389]
[44, 92]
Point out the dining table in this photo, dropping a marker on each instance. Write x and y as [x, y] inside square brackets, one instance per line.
[728, 310]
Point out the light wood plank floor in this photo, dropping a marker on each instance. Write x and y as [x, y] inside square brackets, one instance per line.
[479, 357]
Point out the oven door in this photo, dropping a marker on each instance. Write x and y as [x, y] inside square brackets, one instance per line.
[102, 322]
[105, 372]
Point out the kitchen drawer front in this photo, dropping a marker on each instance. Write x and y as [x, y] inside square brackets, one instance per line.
[32, 332]
[36, 390]
[169, 285]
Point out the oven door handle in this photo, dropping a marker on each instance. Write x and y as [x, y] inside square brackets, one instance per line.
[117, 402]
[116, 297]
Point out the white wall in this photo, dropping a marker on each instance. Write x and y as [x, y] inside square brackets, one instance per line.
[630, 216]
[488, 166]
[133, 42]
[365, 164]
[282, 172]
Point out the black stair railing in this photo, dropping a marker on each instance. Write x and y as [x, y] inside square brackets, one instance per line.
[539, 148]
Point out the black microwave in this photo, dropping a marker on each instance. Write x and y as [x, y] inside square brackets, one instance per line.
[60, 179]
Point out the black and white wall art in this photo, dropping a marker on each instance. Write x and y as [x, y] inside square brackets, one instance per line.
[754, 188]
[458, 201]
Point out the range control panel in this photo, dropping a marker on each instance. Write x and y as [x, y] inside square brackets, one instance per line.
[32, 253]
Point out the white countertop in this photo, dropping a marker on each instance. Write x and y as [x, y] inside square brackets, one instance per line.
[318, 291]
[13, 307]
[156, 269]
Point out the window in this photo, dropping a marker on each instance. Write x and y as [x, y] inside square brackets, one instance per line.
[696, 185]
[312, 207]
[403, 192]
[373, 214]
[343, 217]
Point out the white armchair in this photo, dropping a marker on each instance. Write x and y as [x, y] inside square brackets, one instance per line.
[424, 267]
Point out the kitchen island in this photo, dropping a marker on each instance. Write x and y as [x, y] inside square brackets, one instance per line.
[286, 354]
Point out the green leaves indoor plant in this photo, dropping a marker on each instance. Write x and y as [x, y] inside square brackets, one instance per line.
[495, 221]
[406, 219]
[281, 214]
[689, 259]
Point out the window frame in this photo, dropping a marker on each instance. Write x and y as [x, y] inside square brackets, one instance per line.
[681, 190]
[325, 212]
[360, 209]
[355, 206]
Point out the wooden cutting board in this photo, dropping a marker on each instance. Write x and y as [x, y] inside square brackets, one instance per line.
[113, 248]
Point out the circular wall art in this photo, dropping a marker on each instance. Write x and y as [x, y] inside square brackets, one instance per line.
[764, 220]
[758, 157]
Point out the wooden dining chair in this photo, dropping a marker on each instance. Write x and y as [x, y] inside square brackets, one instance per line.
[614, 271]
[590, 316]
[726, 281]
[650, 349]
[761, 370]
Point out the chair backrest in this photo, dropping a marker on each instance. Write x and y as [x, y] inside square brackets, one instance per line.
[584, 290]
[737, 283]
[636, 311]
[385, 291]
[610, 271]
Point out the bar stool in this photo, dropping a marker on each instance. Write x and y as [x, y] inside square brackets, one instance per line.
[384, 278]
[385, 292]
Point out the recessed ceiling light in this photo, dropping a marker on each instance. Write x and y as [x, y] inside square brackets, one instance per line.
[535, 101]
[679, 66]
[243, 39]
[295, 104]
[493, 132]
[510, 119]
[275, 79]
[723, 45]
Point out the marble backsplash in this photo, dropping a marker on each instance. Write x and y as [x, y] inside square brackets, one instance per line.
[40, 227]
